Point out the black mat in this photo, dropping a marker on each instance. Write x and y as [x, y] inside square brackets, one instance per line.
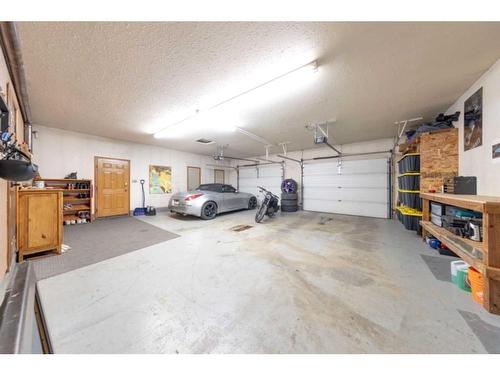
[439, 266]
[488, 334]
[100, 240]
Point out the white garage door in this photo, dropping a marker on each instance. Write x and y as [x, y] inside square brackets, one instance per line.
[355, 187]
[268, 176]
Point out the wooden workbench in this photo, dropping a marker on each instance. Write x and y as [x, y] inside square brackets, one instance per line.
[483, 256]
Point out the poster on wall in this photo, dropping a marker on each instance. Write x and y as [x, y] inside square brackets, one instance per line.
[495, 151]
[473, 121]
[160, 179]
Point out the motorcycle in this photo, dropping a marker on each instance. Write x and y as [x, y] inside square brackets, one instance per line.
[269, 205]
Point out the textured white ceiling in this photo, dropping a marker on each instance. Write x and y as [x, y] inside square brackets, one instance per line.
[125, 80]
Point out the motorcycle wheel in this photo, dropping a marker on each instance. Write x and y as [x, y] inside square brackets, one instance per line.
[261, 212]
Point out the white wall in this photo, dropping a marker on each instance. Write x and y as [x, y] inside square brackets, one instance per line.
[59, 152]
[478, 161]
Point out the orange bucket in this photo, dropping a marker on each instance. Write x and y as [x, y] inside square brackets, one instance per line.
[476, 284]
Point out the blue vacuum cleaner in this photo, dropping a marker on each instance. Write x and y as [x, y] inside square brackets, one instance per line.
[140, 211]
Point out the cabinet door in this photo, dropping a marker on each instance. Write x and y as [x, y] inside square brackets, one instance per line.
[43, 220]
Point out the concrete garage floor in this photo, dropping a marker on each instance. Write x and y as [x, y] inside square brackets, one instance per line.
[299, 283]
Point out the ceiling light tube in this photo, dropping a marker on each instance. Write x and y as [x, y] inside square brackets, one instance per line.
[310, 67]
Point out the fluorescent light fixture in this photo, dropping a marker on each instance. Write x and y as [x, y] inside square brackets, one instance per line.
[214, 119]
[224, 116]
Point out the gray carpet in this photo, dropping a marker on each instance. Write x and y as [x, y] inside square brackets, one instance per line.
[100, 240]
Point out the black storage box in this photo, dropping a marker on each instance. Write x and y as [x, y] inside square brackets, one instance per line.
[410, 199]
[465, 185]
[409, 163]
[409, 181]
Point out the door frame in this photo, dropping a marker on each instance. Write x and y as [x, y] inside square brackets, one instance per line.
[187, 175]
[96, 195]
[223, 175]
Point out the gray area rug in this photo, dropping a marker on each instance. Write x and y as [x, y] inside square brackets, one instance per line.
[100, 240]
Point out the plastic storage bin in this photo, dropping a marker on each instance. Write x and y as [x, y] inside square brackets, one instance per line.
[463, 279]
[409, 181]
[437, 209]
[409, 163]
[409, 217]
[410, 198]
[454, 267]
[437, 220]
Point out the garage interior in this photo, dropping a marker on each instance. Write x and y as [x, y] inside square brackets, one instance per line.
[136, 157]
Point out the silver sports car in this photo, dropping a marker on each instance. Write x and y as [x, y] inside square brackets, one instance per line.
[208, 200]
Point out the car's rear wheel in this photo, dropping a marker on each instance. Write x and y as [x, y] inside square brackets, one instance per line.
[208, 210]
[252, 203]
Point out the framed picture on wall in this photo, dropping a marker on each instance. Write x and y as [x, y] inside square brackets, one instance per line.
[160, 179]
[473, 121]
[495, 150]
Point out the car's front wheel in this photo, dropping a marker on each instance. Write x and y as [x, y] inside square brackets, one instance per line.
[252, 203]
[208, 210]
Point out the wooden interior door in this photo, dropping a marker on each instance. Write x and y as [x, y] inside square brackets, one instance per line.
[112, 177]
[193, 178]
[219, 176]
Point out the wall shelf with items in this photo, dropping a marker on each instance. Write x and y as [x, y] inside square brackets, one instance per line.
[77, 198]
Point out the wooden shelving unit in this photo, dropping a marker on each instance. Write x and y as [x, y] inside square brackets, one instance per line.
[483, 256]
[77, 196]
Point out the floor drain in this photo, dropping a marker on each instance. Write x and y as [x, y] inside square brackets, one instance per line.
[240, 228]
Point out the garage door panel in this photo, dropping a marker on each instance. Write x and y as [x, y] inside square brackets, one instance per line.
[269, 177]
[370, 209]
[275, 172]
[378, 195]
[353, 187]
[346, 167]
[335, 181]
[248, 173]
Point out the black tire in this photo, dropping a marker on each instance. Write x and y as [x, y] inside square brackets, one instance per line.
[289, 203]
[289, 196]
[289, 208]
[209, 210]
[252, 203]
[261, 212]
[289, 186]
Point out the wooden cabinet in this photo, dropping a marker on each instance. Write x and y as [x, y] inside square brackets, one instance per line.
[39, 221]
[77, 197]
